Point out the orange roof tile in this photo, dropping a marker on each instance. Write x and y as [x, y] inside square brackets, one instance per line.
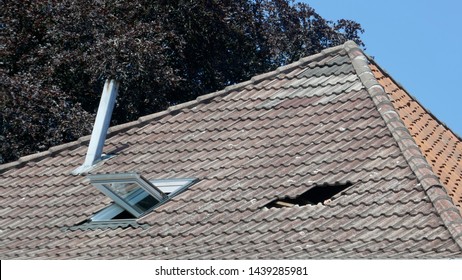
[441, 147]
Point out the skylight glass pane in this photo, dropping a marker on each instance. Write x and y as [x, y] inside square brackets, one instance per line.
[173, 186]
[134, 195]
[124, 190]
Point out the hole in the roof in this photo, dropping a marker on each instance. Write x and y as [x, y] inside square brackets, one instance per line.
[315, 195]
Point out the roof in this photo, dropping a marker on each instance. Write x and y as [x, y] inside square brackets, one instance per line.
[323, 121]
[440, 146]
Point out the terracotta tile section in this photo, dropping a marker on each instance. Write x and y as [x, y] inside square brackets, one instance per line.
[441, 147]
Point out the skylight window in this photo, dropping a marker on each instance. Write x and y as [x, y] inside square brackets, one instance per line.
[133, 195]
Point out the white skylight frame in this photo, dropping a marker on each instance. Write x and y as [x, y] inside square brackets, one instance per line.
[161, 190]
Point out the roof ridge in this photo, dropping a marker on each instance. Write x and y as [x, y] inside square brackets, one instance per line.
[416, 160]
[172, 109]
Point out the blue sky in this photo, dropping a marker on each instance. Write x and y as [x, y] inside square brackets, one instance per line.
[419, 44]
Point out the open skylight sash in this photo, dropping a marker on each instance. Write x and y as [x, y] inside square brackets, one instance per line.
[117, 199]
[134, 195]
[108, 213]
[173, 187]
[129, 190]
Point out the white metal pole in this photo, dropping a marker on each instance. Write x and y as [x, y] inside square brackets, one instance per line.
[102, 121]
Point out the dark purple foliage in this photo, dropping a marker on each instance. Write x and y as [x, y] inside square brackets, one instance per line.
[56, 55]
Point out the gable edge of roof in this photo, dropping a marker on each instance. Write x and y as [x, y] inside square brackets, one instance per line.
[434, 189]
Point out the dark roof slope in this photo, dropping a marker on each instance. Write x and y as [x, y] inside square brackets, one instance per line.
[322, 121]
[441, 147]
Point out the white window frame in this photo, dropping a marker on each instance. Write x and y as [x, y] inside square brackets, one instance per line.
[161, 189]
